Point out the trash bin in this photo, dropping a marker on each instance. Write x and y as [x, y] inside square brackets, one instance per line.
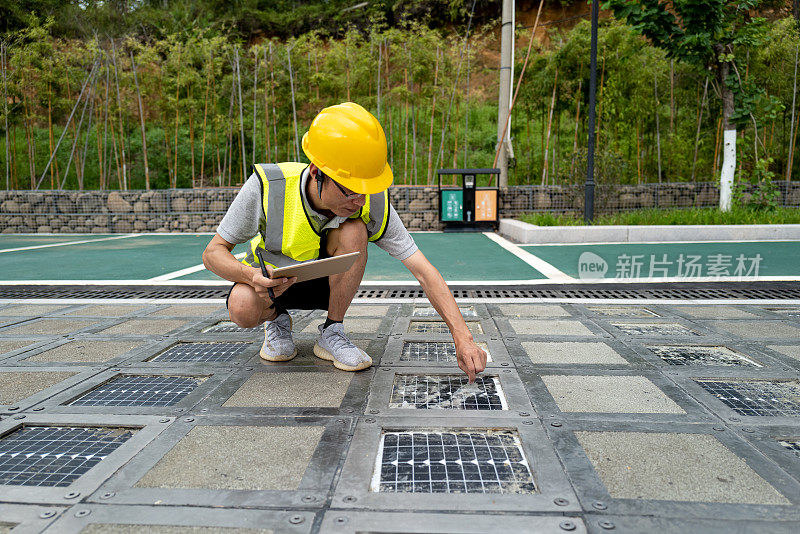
[470, 207]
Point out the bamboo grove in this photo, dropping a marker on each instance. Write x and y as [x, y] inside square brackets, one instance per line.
[195, 109]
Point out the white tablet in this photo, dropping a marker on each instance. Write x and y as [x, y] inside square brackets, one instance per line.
[309, 270]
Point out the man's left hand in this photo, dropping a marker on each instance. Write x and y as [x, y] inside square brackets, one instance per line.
[471, 359]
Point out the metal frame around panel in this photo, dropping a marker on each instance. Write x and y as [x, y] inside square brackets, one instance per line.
[688, 384]
[21, 359]
[213, 378]
[353, 401]
[394, 350]
[84, 515]
[29, 519]
[143, 358]
[402, 323]
[98, 325]
[594, 496]
[545, 404]
[313, 491]
[513, 389]
[352, 491]
[522, 360]
[636, 524]
[504, 328]
[747, 349]
[147, 429]
[355, 522]
[765, 439]
[81, 374]
[707, 324]
[13, 355]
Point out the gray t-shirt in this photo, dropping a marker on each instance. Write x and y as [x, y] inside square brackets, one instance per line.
[245, 215]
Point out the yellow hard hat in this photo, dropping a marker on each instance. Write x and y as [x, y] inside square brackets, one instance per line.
[347, 143]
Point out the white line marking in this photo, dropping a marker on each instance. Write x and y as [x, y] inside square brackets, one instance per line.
[188, 270]
[534, 261]
[49, 245]
[659, 242]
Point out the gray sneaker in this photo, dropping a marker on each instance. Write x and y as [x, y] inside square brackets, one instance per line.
[334, 346]
[278, 344]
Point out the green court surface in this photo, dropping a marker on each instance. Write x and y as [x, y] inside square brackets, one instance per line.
[684, 260]
[457, 256]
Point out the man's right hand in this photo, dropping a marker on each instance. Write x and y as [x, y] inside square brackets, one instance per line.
[262, 285]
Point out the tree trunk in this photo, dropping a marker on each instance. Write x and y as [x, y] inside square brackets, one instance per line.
[177, 119]
[255, 101]
[658, 129]
[729, 137]
[791, 127]
[577, 123]
[205, 122]
[241, 113]
[5, 115]
[699, 122]
[121, 127]
[294, 107]
[549, 127]
[141, 124]
[433, 111]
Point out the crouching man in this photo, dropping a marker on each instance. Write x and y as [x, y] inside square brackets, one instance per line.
[293, 212]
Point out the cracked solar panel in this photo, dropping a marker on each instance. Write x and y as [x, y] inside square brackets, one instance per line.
[448, 392]
[429, 311]
[792, 445]
[452, 462]
[201, 352]
[690, 355]
[654, 329]
[439, 327]
[434, 351]
[140, 390]
[55, 456]
[229, 326]
[766, 398]
[622, 311]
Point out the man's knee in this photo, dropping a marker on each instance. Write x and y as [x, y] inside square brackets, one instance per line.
[351, 236]
[245, 307]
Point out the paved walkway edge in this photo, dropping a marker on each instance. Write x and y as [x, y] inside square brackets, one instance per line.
[521, 232]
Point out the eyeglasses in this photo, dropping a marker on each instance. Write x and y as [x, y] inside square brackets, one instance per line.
[348, 195]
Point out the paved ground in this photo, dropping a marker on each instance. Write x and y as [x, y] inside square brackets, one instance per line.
[590, 417]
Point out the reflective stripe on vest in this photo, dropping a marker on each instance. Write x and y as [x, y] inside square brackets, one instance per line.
[287, 236]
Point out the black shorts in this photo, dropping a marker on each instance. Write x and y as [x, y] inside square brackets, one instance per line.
[308, 295]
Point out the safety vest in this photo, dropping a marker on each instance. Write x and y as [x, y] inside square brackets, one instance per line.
[287, 236]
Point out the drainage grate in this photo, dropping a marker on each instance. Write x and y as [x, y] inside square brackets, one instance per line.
[688, 290]
[792, 445]
[452, 462]
[55, 456]
[447, 392]
[440, 327]
[230, 326]
[691, 355]
[757, 397]
[138, 390]
[429, 311]
[434, 351]
[201, 352]
[622, 311]
[654, 329]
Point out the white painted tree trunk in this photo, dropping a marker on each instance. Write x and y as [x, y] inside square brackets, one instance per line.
[728, 169]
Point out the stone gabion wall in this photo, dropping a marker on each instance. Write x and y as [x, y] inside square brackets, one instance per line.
[200, 210]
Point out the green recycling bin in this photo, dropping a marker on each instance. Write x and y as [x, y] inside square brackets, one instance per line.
[452, 208]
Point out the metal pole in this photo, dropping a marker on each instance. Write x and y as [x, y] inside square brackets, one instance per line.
[588, 207]
[506, 52]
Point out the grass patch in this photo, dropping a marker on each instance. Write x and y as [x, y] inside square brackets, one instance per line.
[671, 217]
